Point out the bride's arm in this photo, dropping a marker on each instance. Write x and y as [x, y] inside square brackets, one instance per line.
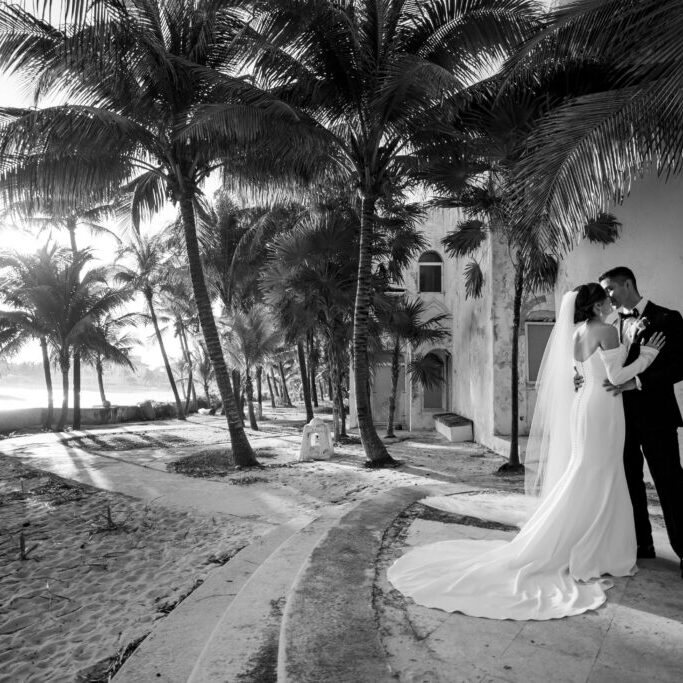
[613, 355]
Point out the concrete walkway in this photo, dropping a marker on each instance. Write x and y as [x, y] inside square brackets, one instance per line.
[142, 474]
[312, 592]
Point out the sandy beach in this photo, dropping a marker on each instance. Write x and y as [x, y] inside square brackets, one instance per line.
[100, 568]
[89, 589]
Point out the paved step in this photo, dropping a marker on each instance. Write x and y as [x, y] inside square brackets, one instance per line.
[329, 631]
[170, 652]
[243, 644]
[229, 627]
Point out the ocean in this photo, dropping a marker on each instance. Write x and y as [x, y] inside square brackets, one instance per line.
[16, 397]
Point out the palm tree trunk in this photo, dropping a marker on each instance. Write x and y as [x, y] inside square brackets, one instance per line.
[77, 390]
[513, 462]
[375, 450]
[305, 386]
[237, 391]
[249, 386]
[259, 390]
[286, 400]
[241, 448]
[271, 392]
[190, 387]
[275, 387]
[194, 397]
[167, 365]
[48, 384]
[394, 385]
[100, 380]
[188, 361]
[312, 369]
[64, 367]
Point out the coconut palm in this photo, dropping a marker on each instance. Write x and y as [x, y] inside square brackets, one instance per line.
[252, 338]
[68, 299]
[144, 273]
[154, 106]
[365, 72]
[403, 320]
[23, 323]
[115, 331]
[585, 154]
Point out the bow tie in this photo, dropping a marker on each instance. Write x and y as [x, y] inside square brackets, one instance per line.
[633, 314]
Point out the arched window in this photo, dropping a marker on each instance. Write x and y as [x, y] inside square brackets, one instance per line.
[430, 266]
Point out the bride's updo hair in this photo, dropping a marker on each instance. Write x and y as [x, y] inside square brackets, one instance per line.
[586, 297]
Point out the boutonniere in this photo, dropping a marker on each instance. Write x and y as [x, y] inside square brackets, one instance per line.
[641, 325]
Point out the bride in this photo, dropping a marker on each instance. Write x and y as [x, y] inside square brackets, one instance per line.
[583, 525]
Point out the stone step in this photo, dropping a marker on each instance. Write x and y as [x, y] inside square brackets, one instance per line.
[243, 644]
[329, 628]
[180, 642]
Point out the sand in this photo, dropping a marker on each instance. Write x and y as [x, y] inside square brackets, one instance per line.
[89, 590]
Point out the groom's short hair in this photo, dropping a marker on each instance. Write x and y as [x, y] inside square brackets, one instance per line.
[620, 273]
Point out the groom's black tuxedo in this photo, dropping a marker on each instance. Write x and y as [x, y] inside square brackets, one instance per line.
[652, 420]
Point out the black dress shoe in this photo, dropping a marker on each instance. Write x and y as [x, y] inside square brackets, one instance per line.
[681, 566]
[646, 552]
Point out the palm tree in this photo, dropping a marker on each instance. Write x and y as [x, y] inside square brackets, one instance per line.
[23, 323]
[114, 330]
[68, 300]
[366, 72]
[253, 339]
[145, 274]
[156, 109]
[587, 151]
[403, 320]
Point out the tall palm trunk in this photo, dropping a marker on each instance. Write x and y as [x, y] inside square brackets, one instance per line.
[77, 390]
[394, 385]
[275, 387]
[249, 387]
[312, 369]
[188, 361]
[241, 448]
[64, 367]
[286, 400]
[513, 462]
[259, 390]
[305, 386]
[271, 391]
[169, 373]
[48, 384]
[375, 450]
[100, 380]
[237, 392]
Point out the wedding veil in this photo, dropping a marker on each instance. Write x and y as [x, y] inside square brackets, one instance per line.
[549, 447]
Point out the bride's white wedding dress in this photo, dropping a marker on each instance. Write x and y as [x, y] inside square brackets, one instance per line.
[582, 529]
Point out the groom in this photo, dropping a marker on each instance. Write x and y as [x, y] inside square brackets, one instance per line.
[650, 407]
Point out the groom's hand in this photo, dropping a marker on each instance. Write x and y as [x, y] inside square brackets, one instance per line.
[578, 379]
[617, 389]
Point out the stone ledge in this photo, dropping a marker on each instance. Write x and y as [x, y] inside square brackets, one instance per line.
[454, 427]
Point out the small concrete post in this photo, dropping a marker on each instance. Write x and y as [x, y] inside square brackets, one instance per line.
[316, 443]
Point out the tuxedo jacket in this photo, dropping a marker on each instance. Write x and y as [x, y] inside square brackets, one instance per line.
[654, 406]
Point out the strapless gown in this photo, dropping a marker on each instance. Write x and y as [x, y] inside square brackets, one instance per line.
[582, 529]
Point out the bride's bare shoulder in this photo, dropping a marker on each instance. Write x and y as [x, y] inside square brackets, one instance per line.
[607, 334]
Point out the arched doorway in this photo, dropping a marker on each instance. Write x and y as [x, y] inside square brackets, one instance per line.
[435, 398]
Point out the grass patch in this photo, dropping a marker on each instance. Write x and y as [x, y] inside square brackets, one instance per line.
[209, 463]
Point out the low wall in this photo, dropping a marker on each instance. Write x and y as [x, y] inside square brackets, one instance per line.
[24, 418]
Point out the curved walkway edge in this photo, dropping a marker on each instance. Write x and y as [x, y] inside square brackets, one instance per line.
[329, 630]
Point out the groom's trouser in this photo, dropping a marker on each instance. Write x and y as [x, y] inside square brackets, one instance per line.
[660, 449]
